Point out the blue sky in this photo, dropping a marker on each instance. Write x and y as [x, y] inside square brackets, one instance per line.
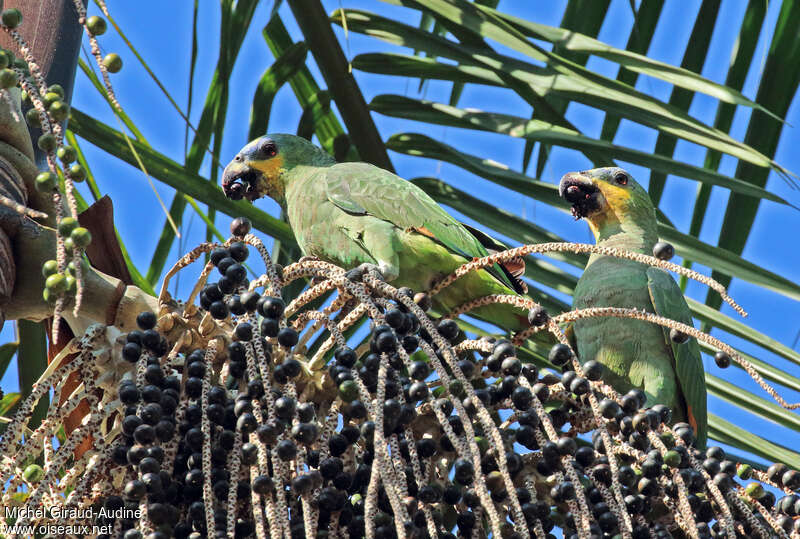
[164, 40]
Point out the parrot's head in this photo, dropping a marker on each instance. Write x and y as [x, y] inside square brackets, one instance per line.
[607, 198]
[261, 167]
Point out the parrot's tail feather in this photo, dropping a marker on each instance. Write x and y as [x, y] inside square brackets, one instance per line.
[514, 270]
[515, 266]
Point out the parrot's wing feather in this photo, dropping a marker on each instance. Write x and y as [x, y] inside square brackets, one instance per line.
[364, 189]
[337, 189]
[486, 240]
[668, 301]
[513, 268]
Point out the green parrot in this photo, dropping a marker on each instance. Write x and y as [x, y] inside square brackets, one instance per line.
[635, 353]
[358, 215]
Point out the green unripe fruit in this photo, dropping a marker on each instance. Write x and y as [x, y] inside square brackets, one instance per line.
[4, 61]
[456, 388]
[21, 64]
[67, 154]
[483, 444]
[46, 182]
[56, 283]
[33, 472]
[47, 142]
[96, 25]
[348, 391]
[48, 296]
[49, 268]
[81, 237]
[11, 17]
[77, 173]
[56, 89]
[72, 285]
[68, 245]
[667, 439]
[744, 471]
[50, 98]
[672, 459]
[67, 225]
[112, 62]
[59, 110]
[8, 78]
[71, 267]
[33, 118]
[754, 490]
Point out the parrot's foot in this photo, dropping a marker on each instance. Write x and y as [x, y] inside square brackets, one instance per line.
[371, 269]
[381, 271]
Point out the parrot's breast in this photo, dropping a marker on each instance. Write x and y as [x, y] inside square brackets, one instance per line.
[633, 351]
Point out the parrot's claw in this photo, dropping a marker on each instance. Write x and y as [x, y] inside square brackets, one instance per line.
[371, 269]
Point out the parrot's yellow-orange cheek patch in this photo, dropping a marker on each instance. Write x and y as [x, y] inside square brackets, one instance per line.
[270, 174]
[269, 167]
[616, 197]
[612, 203]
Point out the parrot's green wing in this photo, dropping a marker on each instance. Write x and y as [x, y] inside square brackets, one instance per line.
[668, 301]
[364, 189]
[513, 269]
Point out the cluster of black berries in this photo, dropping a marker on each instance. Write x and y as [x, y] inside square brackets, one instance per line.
[338, 483]
[407, 386]
[219, 298]
[646, 482]
[333, 468]
[172, 491]
[148, 424]
[402, 329]
[146, 339]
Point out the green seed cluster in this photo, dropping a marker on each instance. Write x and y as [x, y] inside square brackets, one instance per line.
[57, 110]
[9, 77]
[57, 283]
[96, 26]
[47, 112]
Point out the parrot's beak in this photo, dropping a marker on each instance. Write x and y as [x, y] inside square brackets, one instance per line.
[582, 192]
[239, 181]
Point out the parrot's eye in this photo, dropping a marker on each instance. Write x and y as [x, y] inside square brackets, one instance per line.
[621, 178]
[269, 148]
[237, 158]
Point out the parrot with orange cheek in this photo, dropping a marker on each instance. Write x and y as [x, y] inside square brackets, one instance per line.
[665, 364]
[358, 215]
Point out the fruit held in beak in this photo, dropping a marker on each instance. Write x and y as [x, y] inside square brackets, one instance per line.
[239, 181]
[581, 192]
[235, 191]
